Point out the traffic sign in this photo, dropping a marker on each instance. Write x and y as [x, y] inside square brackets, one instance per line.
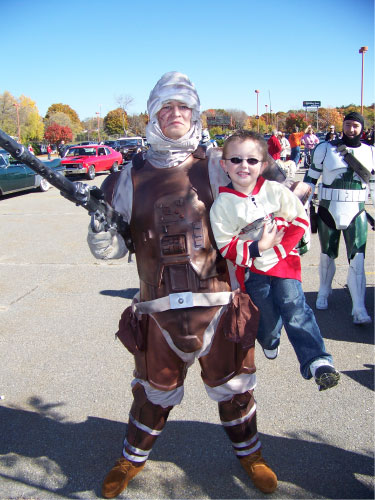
[311, 104]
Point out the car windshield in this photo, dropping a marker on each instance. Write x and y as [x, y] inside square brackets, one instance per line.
[81, 152]
[129, 142]
[3, 163]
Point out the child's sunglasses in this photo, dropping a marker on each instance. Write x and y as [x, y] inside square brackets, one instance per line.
[236, 160]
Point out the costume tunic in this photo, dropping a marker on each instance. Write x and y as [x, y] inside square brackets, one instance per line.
[185, 285]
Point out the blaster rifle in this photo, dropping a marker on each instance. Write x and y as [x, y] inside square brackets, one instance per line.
[90, 198]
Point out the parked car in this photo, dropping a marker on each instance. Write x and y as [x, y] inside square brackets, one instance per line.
[89, 160]
[112, 144]
[16, 176]
[129, 146]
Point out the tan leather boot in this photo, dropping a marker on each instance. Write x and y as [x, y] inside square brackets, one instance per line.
[260, 473]
[118, 478]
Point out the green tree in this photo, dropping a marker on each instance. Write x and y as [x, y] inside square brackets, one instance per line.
[116, 122]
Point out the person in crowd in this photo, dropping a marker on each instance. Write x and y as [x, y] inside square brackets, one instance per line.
[342, 196]
[295, 144]
[61, 148]
[30, 148]
[285, 146]
[206, 140]
[310, 140]
[188, 306]
[49, 151]
[274, 146]
[331, 135]
[257, 224]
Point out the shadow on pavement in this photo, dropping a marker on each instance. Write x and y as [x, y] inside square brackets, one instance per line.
[336, 322]
[364, 377]
[40, 449]
[128, 293]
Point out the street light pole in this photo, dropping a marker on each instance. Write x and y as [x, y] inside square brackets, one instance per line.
[266, 106]
[98, 115]
[257, 93]
[16, 104]
[362, 51]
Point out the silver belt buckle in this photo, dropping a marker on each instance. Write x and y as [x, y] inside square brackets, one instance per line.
[181, 300]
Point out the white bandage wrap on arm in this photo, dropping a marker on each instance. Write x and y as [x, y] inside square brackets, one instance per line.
[106, 244]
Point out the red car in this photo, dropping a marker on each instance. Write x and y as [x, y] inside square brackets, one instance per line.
[90, 159]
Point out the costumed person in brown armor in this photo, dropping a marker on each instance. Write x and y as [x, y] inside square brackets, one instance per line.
[189, 305]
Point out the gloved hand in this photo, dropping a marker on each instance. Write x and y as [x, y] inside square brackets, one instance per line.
[106, 244]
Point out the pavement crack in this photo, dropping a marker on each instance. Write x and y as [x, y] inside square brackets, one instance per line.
[24, 295]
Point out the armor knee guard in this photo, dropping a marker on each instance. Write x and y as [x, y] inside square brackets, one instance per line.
[327, 269]
[357, 288]
[238, 417]
[146, 422]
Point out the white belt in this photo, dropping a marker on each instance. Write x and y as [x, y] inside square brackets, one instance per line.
[342, 194]
[183, 300]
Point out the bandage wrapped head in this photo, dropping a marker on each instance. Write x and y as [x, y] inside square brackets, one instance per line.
[172, 86]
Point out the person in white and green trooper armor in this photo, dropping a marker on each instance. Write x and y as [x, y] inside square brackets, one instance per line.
[342, 196]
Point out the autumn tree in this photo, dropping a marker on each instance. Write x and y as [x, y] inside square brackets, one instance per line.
[115, 122]
[137, 124]
[238, 118]
[124, 101]
[330, 116]
[295, 120]
[75, 123]
[63, 108]
[55, 133]
[60, 118]
[8, 113]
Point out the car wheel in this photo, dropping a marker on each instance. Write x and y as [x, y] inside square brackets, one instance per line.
[44, 185]
[91, 172]
[114, 167]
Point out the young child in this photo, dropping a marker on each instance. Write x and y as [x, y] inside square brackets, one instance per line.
[257, 224]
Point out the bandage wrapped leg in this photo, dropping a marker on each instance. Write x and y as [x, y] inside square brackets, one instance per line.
[146, 422]
[357, 289]
[327, 269]
[238, 417]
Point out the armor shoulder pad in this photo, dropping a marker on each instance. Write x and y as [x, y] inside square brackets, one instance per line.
[138, 161]
[108, 186]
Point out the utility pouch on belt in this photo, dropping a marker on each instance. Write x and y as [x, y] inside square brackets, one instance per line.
[131, 330]
[240, 321]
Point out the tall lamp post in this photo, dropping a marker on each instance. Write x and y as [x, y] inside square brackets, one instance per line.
[362, 51]
[98, 115]
[257, 93]
[266, 106]
[16, 104]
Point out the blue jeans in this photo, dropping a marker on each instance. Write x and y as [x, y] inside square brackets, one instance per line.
[281, 301]
[295, 154]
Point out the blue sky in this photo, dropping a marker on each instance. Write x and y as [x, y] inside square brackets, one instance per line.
[87, 53]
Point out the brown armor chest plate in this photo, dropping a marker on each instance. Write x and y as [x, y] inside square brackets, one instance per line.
[173, 241]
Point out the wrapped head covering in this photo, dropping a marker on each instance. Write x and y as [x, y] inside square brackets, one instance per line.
[166, 152]
[354, 142]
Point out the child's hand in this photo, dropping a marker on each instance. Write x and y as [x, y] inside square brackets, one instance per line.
[270, 238]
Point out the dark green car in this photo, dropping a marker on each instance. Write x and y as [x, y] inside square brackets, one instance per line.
[15, 176]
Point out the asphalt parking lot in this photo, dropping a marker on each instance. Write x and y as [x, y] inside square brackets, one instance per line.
[65, 380]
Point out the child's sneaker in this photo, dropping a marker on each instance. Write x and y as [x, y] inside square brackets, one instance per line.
[326, 377]
[271, 353]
